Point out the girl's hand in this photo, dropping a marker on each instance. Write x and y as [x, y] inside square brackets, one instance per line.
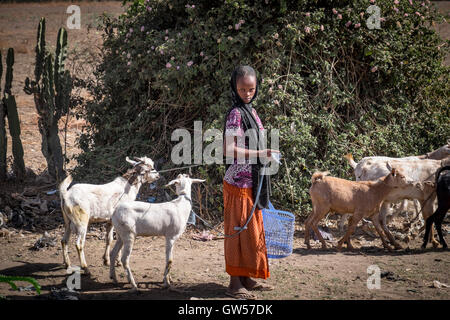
[267, 153]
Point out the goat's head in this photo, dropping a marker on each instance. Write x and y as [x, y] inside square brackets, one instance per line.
[439, 154]
[426, 186]
[183, 183]
[144, 167]
[396, 177]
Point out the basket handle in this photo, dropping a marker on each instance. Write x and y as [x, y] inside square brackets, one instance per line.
[271, 206]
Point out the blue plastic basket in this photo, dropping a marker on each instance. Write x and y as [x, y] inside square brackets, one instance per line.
[279, 232]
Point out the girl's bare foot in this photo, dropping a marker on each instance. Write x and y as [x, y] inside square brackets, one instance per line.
[253, 285]
[237, 290]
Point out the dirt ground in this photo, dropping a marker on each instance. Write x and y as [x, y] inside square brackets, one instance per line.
[198, 270]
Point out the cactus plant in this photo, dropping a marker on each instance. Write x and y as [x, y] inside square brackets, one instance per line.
[51, 88]
[9, 108]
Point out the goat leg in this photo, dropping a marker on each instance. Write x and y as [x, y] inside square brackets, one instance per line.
[317, 232]
[382, 221]
[376, 222]
[65, 241]
[109, 239]
[428, 225]
[441, 236]
[307, 231]
[351, 228]
[437, 217]
[80, 248]
[126, 253]
[169, 259]
[113, 257]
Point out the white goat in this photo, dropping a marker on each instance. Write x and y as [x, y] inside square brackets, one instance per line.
[84, 203]
[136, 218]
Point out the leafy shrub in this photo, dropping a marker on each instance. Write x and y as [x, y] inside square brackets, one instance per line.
[330, 84]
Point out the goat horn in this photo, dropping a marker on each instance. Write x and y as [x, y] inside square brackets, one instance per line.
[134, 163]
[197, 180]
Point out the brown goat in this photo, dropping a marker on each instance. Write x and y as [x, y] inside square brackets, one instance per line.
[360, 198]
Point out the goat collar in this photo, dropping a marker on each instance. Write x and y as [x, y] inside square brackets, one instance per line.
[186, 196]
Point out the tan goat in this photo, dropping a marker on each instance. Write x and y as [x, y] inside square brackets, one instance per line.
[360, 198]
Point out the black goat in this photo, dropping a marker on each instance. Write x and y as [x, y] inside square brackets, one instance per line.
[443, 196]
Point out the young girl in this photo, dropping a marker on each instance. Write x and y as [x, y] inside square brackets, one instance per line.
[245, 253]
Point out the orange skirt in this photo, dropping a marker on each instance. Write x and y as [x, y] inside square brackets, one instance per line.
[245, 253]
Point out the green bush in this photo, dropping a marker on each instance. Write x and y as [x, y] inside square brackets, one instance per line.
[329, 83]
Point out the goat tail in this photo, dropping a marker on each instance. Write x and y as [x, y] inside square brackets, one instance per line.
[350, 160]
[63, 187]
[439, 172]
[318, 176]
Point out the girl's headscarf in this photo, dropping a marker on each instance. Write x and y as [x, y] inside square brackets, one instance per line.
[238, 73]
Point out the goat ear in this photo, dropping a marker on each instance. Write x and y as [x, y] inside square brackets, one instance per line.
[389, 167]
[172, 182]
[131, 161]
[142, 160]
[197, 180]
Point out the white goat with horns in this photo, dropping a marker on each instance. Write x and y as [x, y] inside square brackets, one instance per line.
[137, 218]
[84, 203]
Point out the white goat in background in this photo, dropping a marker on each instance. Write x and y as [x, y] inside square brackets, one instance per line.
[84, 203]
[137, 218]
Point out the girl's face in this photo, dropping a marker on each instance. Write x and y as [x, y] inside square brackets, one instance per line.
[246, 88]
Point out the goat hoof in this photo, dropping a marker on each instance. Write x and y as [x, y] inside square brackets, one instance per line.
[106, 262]
[113, 278]
[86, 271]
[134, 290]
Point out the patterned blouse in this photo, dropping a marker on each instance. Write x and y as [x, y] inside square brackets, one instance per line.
[239, 174]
